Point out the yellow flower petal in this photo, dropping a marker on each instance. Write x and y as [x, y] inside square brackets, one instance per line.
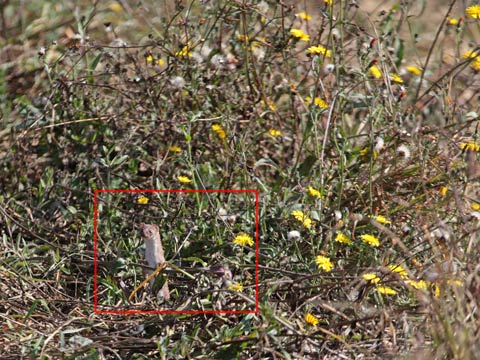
[238, 287]
[142, 200]
[311, 319]
[370, 239]
[342, 238]
[243, 239]
[184, 179]
[324, 263]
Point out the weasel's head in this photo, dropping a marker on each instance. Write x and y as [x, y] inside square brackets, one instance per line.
[149, 231]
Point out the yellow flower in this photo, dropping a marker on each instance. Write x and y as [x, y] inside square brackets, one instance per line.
[149, 58]
[371, 277]
[475, 206]
[470, 146]
[243, 38]
[314, 192]
[115, 7]
[443, 191]
[300, 34]
[375, 71]
[453, 21]
[473, 55]
[370, 239]
[328, 2]
[319, 50]
[396, 78]
[243, 239]
[311, 319]
[275, 132]
[175, 148]
[304, 16]
[238, 287]
[399, 270]
[184, 179]
[381, 219]
[386, 290]
[270, 104]
[322, 104]
[414, 70]
[160, 62]
[300, 216]
[342, 238]
[473, 12]
[417, 284]
[185, 52]
[218, 129]
[142, 200]
[324, 263]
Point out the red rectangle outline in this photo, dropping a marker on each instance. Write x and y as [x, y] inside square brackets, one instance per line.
[171, 312]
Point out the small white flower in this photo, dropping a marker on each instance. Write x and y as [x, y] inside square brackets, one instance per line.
[338, 215]
[293, 235]
[178, 82]
[329, 68]
[404, 151]
[475, 214]
[379, 143]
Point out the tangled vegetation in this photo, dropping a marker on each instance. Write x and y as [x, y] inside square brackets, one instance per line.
[357, 124]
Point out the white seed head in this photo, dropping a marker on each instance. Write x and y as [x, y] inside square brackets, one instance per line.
[178, 82]
[379, 144]
[293, 235]
[404, 151]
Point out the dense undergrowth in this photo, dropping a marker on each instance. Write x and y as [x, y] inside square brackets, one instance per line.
[357, 124]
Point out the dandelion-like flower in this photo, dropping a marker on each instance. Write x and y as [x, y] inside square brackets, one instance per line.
[453, 21]
[270, 104]
[373, 278]
[375, 71]
[300, 35]
[243, 239]
[304, 16]
[396, 78]
[319, 49]
[404, 151]
[184, 179]
[399, 270]
[238, 287]
[149, 58]
[293, 235]
[218, 129]
[275, 132]
[422, 284]
[322, 104]
[300, 216]
[381, 219]
[314, 192]
[175, 148]
[476, 59]
[324, 263]
[414, 70]
[185, 52]
[370, 239]
[385, 290]
[311, 319]
[472, 146]
[342, 238]
[473, 12]
[443, 191]
[142, 200]
[243, 38]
